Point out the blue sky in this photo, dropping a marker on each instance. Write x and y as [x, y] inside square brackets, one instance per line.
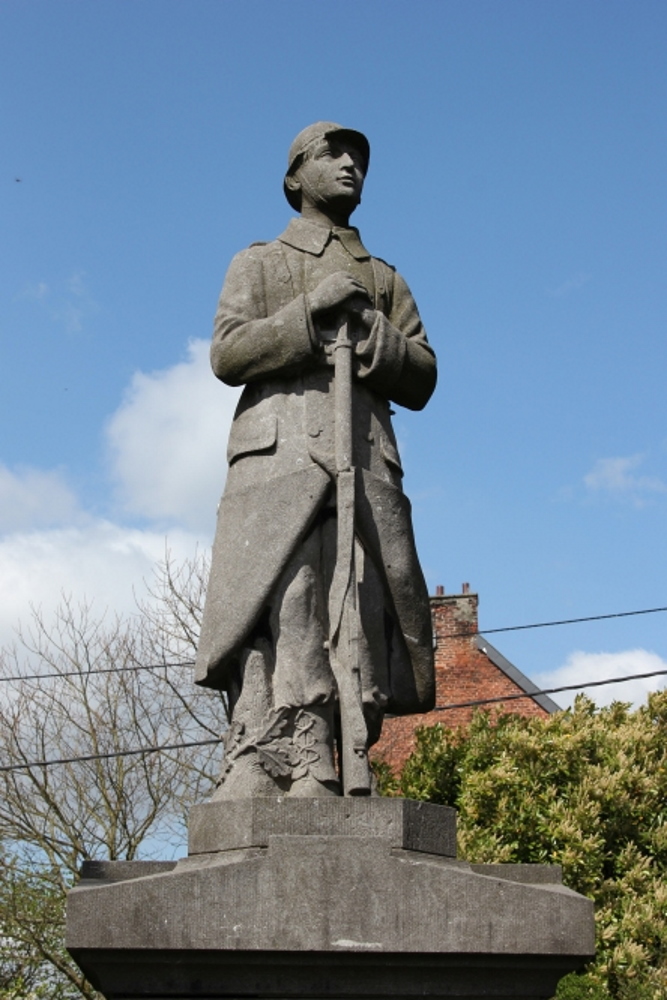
[517, 181]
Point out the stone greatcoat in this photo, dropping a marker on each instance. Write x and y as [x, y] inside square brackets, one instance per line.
[281, 447]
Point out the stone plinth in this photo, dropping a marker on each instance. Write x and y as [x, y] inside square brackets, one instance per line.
[404, 823]
[337, 898]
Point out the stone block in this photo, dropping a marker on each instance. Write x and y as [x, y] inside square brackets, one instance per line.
[243, 823]
[294, 915]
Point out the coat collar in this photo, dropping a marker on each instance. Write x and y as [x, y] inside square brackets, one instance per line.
[306, 236]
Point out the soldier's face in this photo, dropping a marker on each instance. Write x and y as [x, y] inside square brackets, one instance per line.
[333, 173]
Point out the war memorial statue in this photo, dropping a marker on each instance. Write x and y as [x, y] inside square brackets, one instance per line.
[317, 617]
[299, 884]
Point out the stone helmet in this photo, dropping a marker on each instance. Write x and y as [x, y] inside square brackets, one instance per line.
[311, 134]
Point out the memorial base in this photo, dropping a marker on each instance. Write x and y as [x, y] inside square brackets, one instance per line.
[337, 898]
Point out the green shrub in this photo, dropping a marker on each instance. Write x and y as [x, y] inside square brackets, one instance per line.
[585, 789]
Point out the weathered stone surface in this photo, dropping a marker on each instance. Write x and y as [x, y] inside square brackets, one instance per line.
[120, 871]
[535, 874]
[328, 915]
[299, 883]
[317, 619]
[230, 825]
[317, 893]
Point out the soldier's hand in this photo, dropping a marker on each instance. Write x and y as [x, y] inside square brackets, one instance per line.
[366, 317]
[335, 291]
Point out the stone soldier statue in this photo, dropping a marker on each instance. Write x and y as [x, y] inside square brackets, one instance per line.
[317, 618]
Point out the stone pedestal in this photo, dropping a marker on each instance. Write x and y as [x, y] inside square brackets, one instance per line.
[337, 898]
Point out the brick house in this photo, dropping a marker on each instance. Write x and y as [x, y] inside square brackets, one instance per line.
[467, 667]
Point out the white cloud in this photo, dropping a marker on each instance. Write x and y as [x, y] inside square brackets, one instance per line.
[76, 304]
[31, 498]
[581, 667]
[168, 439]
[100, 562]
[68, 302]
[167, 442]
[616, 477]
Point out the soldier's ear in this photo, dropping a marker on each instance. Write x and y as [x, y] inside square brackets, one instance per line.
[292, 183]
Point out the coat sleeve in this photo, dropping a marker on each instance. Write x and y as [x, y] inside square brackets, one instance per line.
[248, 344]
[396, 360]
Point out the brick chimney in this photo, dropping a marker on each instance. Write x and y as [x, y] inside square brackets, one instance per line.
[467, 668]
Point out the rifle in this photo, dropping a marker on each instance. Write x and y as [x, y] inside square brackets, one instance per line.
[343, 619]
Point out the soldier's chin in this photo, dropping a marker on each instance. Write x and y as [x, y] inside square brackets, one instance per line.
[345, 203]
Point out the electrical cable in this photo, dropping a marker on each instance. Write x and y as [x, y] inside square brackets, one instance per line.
[106, 756]
[439, 708]
[450, 635]
[97, 670]
[564, 621]
[554, 690]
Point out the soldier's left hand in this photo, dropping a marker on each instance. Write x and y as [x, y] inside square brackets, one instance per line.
[365, 316]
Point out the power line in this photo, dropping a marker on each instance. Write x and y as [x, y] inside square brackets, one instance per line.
[571, 621]
[450, 635]
[97, 670]
[562, 621]
[438, 708]
[554, 690]
[106, 756]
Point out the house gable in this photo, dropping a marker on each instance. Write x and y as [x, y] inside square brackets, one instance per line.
[467, 668]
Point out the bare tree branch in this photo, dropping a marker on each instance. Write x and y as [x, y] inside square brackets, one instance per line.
[53, 818]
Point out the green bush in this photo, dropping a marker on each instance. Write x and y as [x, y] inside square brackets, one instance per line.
[585, 789]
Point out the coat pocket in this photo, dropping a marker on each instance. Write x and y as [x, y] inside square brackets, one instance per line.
[251, 433]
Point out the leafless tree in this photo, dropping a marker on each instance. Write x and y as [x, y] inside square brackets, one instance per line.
[83, 689]
[171, 616]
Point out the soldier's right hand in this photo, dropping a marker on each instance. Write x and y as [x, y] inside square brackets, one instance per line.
[335, 291]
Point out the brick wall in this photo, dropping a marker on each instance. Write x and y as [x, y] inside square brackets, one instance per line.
[463, 672]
